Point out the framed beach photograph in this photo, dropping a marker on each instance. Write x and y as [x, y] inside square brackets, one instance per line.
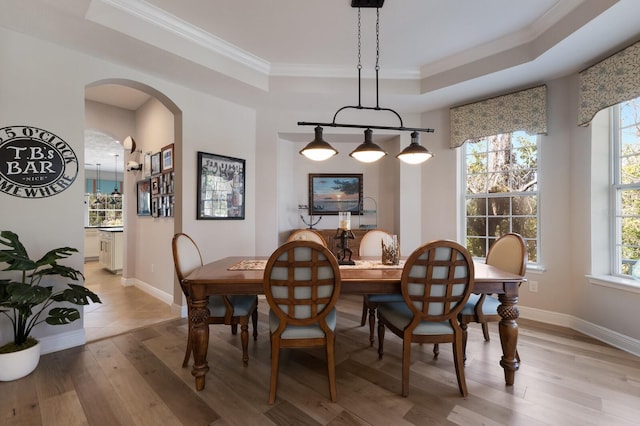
[330, 193]
[167, 158]
[155, 163]
[144, 197]
[220, 187]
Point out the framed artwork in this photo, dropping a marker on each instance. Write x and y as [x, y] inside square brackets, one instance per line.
[155, 163]
[220, 187]
[155, 185]
[330, 193]
[144, 197]
[167, 158]
[154, 206]
[146, 164]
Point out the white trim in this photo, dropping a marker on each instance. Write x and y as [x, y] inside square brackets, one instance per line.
[62, 341]
[160, 18]
[618, 283]
[153, 291]
[613, 338]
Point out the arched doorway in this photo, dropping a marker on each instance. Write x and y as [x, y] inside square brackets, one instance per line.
[124, 108]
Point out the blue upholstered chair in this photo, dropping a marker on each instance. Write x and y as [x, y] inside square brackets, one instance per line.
[437, 280]
[371, 245]
[302, 285]
[230, 310]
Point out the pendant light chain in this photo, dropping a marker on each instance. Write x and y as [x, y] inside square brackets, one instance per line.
[377, 54]
[359, 61]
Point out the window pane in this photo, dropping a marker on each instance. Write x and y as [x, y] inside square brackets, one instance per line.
[477, 226]
[525, 205]
[498, 226]
[525, 226]
[532, 251]
[477, 184]
[499, 206]
[476, 247]
[477, 207]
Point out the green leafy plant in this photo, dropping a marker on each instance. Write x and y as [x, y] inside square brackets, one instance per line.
[27, 303]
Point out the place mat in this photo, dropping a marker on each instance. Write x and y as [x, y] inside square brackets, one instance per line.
[259, 265]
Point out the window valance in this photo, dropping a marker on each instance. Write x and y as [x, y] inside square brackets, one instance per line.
[524, 110]
[611, 81]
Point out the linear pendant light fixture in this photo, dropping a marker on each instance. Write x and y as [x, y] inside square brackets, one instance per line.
[368, 151]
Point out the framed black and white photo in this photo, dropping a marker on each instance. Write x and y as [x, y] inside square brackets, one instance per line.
[167, 158]
[155, 163]
[146, 165]
[220, 187]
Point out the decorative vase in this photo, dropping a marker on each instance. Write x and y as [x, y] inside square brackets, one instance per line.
[16, 365]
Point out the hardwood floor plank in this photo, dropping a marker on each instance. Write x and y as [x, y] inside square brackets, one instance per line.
[19, 403]
[188, 408]
[141, 402]
[286, 414]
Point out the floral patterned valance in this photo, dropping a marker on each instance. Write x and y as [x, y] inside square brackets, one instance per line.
[524, 110]
[609, 82]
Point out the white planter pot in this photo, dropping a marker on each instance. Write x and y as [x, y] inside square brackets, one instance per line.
[19, 364]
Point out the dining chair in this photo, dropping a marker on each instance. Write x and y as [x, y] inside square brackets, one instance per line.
[371, 245]
[508, 253]
[230, 310]
[436, 282]
[307, 235]
[302, 285]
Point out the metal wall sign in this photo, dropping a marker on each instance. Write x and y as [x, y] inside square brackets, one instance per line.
[35, 163]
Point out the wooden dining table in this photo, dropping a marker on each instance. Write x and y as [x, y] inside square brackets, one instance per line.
[227, 276]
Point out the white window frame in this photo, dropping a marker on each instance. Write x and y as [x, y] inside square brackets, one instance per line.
[464, 196]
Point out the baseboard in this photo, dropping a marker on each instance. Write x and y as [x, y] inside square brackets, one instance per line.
[149, 289]
[62, 341]
[613, 338]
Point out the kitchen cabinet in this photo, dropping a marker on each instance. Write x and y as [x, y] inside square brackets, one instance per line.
[91, 244]
[111, 249]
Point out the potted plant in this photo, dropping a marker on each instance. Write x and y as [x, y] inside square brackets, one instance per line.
[27, 303]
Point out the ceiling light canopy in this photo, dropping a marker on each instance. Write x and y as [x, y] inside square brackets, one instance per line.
[367, 152]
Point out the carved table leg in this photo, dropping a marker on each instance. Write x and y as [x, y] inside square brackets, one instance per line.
[200, 338]
[508, 328]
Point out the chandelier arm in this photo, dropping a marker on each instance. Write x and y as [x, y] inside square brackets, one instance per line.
[376, 108]
[366, 126]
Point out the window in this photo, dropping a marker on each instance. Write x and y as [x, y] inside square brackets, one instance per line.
[501, 191]
[626, 186]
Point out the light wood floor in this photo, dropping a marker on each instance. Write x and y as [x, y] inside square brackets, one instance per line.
[122, 309]
[136, 379]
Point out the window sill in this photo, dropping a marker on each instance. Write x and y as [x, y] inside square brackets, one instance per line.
[618, 283]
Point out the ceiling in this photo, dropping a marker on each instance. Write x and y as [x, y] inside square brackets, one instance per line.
[303, 54]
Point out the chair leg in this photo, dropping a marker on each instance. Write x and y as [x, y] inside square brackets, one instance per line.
[331, 367]
[485, 331]
[380, 339]
[436, 350]
[372, 324]
[406, 365]
[254, 319]
[275, 359]
[244, 338]
[464, 326]
[187, 354]
[363, 320]
[458, 360]
[234, 329]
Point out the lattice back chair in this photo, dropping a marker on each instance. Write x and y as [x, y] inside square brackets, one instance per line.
[302, 285]
[509, 253]
[437, 280]
[371, 245]
[230, 310]
[307, 235]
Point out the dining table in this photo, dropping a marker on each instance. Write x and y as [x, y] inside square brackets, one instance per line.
[244, 275]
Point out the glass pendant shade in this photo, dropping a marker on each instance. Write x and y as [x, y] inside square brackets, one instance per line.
[414, 153]
[318, 149]
[368, 152]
